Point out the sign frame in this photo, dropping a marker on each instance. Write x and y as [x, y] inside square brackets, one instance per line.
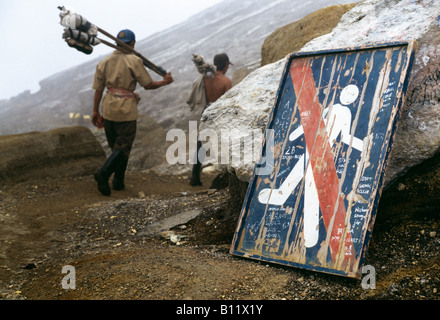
[297, 227]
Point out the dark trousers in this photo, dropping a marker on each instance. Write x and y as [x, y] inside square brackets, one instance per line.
[120, 138]
[120, 135]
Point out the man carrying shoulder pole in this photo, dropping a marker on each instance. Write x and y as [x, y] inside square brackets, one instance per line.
[215, 87]
[119, 73]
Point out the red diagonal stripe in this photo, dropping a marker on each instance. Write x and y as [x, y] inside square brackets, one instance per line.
[321, 155]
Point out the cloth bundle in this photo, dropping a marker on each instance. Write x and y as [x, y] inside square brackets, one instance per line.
[203, 67]
[78, 33]
[197, 99]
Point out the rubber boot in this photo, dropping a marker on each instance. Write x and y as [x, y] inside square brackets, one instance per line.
[119, 177]
[197, 168]
[195, 175]
[103, 174]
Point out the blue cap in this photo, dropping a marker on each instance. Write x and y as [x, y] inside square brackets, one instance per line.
[126, 36]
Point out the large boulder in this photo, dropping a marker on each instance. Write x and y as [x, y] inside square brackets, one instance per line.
[374, 21]
[247, 106]
[64, 152]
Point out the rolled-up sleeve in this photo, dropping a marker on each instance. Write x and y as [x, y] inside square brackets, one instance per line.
[141, 74]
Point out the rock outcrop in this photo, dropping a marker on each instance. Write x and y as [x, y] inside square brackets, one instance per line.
[65, 152]
[293, 37]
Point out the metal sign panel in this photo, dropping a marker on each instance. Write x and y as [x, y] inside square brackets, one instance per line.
[333, 124]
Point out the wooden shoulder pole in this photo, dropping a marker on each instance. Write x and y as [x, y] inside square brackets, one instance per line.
[147, 63]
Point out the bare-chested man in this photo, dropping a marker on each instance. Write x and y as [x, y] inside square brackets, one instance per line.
[217, 86]
[214, 88]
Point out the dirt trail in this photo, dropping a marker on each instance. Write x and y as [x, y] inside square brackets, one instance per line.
[48, 224]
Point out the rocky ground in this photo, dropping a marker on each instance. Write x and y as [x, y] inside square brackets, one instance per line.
[119, 251]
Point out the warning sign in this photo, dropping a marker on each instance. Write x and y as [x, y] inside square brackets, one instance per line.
[333, 124]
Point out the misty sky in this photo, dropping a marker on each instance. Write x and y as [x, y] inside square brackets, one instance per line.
[32, 46]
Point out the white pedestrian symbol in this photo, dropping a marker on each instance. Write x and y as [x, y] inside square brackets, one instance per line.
[338, 121]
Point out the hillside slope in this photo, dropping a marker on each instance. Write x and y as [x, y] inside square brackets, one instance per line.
[236, 27]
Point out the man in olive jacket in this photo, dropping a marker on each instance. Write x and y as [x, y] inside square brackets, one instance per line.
[119, 73]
